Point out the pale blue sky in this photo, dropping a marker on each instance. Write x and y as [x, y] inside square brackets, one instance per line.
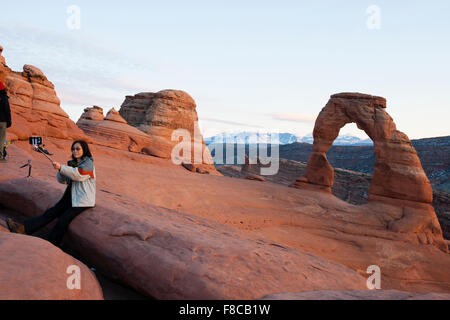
[250, 65]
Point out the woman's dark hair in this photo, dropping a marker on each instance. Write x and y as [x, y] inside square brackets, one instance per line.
[85, 147]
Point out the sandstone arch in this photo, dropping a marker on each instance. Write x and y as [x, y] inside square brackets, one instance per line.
[398, 178]
[398, 172]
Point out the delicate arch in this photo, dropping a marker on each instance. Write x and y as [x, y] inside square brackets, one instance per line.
[398, 172]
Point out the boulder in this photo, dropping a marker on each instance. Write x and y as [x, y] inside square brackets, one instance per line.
[159, 115]
[112, 130]
[114, 116]
[35, 107]
[95, 114]
[34, 269]
[155, 153]
[255, 177]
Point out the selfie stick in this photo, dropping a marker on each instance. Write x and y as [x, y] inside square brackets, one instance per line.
[39, 150]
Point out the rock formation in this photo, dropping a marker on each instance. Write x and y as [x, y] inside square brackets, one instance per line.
[255, 177]
[34, 269]
[247, 167]
[349, 186]
[167, 254]
[112, 130]
[154, 219]
[398, 176]
[432, 152]
[357, 295]
[35, 106]
[171, 234]
[159, 115]
[2, 59]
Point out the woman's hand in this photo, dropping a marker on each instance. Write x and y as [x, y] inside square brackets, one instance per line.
[56, 165]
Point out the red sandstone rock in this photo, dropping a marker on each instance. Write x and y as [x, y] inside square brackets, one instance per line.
[114, 116]
[255, 177]
[155, 153]
[2, 59]
[184, 223]
[112, 131]
[398, 173]
[34, 269]
[160, 114]
[168, 254]
[35, 106]
[95, 114]
[189, 167]
[357, 295]
[248, 165]
[307, 221]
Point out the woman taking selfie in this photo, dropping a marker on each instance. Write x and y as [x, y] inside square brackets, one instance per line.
[79, 175]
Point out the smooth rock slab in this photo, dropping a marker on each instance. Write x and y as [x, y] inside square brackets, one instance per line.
[167, 254]
[357, 295]
[34, 269]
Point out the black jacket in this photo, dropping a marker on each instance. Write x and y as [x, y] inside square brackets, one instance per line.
[5, 110]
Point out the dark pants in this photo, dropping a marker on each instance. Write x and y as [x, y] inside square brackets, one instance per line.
[62, 210]
[2, 137]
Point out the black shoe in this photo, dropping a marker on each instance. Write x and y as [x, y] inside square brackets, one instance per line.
[15, 227]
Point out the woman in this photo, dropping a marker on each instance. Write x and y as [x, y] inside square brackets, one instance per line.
[5, 119]
[79, 175]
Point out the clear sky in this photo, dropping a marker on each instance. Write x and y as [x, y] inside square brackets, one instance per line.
[250, 65]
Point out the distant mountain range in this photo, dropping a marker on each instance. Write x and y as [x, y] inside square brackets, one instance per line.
[433, 154]
[343, 140]
[282, 139]
[351, 155]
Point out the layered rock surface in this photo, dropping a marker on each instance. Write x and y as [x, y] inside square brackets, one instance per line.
[112, 130]
[159, 115]
[350, 186]
[35, 107]
[167, 254]
[139, 213]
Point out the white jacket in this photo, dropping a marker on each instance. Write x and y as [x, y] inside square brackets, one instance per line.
[83, 182]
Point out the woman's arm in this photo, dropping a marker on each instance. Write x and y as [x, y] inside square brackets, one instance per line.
[84, 172]
[62, 179]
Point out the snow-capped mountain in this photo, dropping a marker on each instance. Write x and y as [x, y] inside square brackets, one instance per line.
[344, 140]
[252, 138]
[280, 138]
